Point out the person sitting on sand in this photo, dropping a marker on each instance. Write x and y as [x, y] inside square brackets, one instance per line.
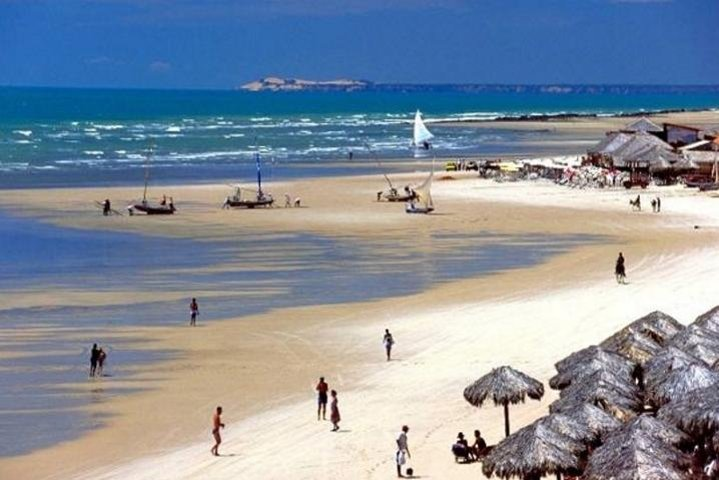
[216, 426]
[322, 389]
[479, 447]
[334, 412]
[619, 269]
[460, 448]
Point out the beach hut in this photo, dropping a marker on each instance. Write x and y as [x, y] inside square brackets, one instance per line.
[679, 383]
[634, 456]
[643, 125]
[604, 390]
[696, 414]
[533, 452]
[587, 361]
[505, 386]
[698, 341]
[668, 359]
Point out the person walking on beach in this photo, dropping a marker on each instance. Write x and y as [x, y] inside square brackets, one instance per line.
[322, 388]
[216, 426]
[94, 357]
[194, 312]
[402, 450]
[659, 204]
[388, 341]
[101, 356]
[334, 412]
[619, 270]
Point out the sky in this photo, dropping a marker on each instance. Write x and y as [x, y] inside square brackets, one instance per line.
[225, 43]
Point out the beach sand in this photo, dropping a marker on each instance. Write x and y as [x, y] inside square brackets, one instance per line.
[262, 368]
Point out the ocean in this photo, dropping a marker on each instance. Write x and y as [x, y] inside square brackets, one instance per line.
[75, 137]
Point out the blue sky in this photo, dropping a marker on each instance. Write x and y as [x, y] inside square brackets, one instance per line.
[223, 43]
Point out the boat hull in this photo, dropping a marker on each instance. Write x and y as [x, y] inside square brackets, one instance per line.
[151, 210]
[248, 203]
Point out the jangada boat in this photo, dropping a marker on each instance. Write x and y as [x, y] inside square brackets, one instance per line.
[420, 136]
[255, 199]
[423, 203]
[145, 206]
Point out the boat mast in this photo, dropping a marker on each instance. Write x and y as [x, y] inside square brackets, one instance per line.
[147, 174]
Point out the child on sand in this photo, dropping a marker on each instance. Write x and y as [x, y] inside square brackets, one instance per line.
[216, 425]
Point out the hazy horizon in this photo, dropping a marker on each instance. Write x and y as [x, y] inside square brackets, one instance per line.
[188, 44]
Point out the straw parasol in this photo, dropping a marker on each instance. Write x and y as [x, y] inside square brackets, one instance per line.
[653, 428]
[533, 452]
[636, 456]
[602, 389]
[680, 382]
[697, 414]
[698, 341]
[587, 361]
[668, 359]
[505, 386]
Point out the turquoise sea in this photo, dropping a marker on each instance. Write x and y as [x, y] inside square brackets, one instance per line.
[68, 137]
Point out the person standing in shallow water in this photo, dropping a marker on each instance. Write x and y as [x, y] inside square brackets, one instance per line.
[216, 426]
[94, 358]
[334, 412]
[619, 269]
[194, 312]
[388, 341]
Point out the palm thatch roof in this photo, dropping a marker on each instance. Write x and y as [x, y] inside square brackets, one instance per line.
[697, 414]
[569, 427]
[604, 390]
[679, 383]
[587, 361]
[668, 359]
[642, 125]
[698, 341]
[709, 320]
[650, 427]
[633, 344]
[504, 385]
[637, 457]
[611, 142]
[593, 418]
[535, 450]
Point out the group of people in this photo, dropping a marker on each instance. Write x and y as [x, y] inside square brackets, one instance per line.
[322, 388]
[97, 360]
[656, 204]
[469, 453]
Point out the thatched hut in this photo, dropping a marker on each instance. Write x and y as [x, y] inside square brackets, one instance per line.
[698, 341]
[504, 386]
[533, 452]
[679, 383]
[696, 414]
[668, 359]
[602, 389]
[589, 360]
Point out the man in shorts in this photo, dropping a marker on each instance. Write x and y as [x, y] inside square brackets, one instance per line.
[322, 389]
[216, 426]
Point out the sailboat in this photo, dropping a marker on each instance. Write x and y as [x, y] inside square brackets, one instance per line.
[258, 199]
[144, 206]
[423, 202]
[421, 135]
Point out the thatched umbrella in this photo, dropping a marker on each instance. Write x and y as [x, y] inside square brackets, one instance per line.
[697, 414]
[587, 361]
[709, 320]
[593, 418]
[668, 359]
[650, 427]
[533, 452]
[679, 383]
[633, 344]
[505, 386]
[621, 399]
[698, 341]
[636, 457]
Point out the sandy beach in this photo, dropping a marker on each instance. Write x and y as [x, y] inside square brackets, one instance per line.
[262, 368]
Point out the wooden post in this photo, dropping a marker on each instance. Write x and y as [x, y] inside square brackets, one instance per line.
[506, 419]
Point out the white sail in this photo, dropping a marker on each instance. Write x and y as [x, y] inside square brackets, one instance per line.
[421, 134]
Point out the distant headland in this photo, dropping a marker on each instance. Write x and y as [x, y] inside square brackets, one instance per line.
[278, 84]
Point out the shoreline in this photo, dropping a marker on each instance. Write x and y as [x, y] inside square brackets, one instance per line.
[325, 334]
